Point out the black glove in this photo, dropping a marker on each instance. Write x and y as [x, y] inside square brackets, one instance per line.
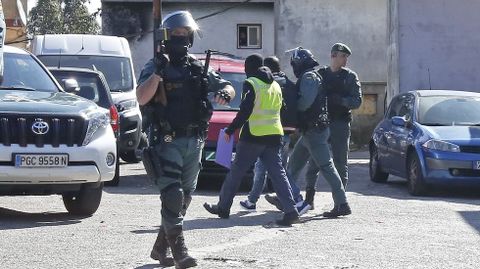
[335, 99]
[161, 62]
[204, 84]
[224, 94]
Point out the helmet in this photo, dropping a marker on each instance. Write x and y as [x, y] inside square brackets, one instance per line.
[301, 60]
[181, 19]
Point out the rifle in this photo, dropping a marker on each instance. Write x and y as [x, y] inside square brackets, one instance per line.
[159, 35]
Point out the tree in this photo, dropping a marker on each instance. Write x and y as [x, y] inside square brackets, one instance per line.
[61, 17]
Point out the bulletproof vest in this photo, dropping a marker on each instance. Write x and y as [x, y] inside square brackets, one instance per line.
[317, 113]
[184, 94]
[288, 114]
[336, 84]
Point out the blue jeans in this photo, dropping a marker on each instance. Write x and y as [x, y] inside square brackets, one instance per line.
[260, 173]
[314, 143]
[246, 155]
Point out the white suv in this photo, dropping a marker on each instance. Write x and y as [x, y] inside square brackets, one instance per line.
[51, 142]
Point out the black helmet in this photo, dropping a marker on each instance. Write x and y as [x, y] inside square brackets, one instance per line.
[181, 19]
[301, 60]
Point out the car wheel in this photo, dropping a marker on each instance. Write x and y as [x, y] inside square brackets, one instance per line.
[116, 179]
[376, 173]
[85, 202]
[135, 156]
[416, 183]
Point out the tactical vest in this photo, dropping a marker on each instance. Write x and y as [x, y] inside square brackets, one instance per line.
[265, 117]
[336, 84]
[185, 96]
[317, 113]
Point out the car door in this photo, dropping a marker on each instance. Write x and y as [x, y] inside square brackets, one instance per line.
[400, 137]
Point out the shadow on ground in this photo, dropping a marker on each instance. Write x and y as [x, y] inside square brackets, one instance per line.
[13, 219]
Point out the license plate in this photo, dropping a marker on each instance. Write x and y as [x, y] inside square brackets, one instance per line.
[41, 160]
[210, 156]
[476, 165]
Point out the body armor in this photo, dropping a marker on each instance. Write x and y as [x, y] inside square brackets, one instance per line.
[317, 114]
[336, 84]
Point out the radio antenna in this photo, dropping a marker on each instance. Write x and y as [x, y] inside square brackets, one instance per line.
[59, 58]
[429, 82]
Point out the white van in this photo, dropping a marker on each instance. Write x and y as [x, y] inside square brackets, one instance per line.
[110, 55]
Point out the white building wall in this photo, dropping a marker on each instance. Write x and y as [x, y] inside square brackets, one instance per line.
[437, 44]
[318, 24]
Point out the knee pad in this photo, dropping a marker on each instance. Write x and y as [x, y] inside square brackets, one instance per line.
[172, 199]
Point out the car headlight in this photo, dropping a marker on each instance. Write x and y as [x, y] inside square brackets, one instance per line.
[441, 145]
[97, 120]
[126, 105]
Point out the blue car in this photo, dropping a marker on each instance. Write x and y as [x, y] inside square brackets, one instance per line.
[429, 137]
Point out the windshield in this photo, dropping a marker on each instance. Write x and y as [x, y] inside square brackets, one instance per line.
[449, 110]
[116, 70]
[237, 80]
[21, 71]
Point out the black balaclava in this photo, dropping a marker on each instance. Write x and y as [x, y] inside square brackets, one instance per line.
[252, 63]
[177, 48]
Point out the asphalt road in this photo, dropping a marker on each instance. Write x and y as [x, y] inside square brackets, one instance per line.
[388, 229]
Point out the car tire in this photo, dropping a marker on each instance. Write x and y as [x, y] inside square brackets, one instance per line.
[116, 179]
[376, 173]
[84, 202]
[135, 156]
[416, 182]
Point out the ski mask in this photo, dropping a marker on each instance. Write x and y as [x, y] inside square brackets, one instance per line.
[177, 47]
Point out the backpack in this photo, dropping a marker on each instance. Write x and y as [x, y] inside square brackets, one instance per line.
[288, 113]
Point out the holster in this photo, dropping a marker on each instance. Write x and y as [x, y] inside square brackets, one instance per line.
[152, 163]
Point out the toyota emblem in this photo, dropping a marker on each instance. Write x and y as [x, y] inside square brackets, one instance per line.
[40, 127]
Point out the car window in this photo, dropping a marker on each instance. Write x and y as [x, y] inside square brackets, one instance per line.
[22, 71]
[237, 80]
[449, 110]
[116, 70]
[90, 86]
[401, 106]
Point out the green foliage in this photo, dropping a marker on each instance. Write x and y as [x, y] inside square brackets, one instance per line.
[61, 17]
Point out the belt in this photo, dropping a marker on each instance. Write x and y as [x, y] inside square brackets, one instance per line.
[185, 132]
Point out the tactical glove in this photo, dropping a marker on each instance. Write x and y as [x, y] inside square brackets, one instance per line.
[224, 95]
[204, 84]
[161, 62]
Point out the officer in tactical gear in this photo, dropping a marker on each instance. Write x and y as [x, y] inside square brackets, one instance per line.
[344, 94]
[313, 143]
[178, 127]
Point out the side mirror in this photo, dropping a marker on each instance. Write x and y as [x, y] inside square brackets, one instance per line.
[70, 85]
[399, 121]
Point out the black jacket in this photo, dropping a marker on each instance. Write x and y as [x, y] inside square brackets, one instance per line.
[246, 108]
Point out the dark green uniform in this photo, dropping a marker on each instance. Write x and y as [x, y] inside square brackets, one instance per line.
[345, 88]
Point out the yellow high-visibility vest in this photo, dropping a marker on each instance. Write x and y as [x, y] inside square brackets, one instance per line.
[265, 117]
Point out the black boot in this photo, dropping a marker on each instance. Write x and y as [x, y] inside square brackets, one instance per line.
[159, 250]
[288, 219]
[310, 196]
[179, 250]
[215, 210]
[338, 210]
